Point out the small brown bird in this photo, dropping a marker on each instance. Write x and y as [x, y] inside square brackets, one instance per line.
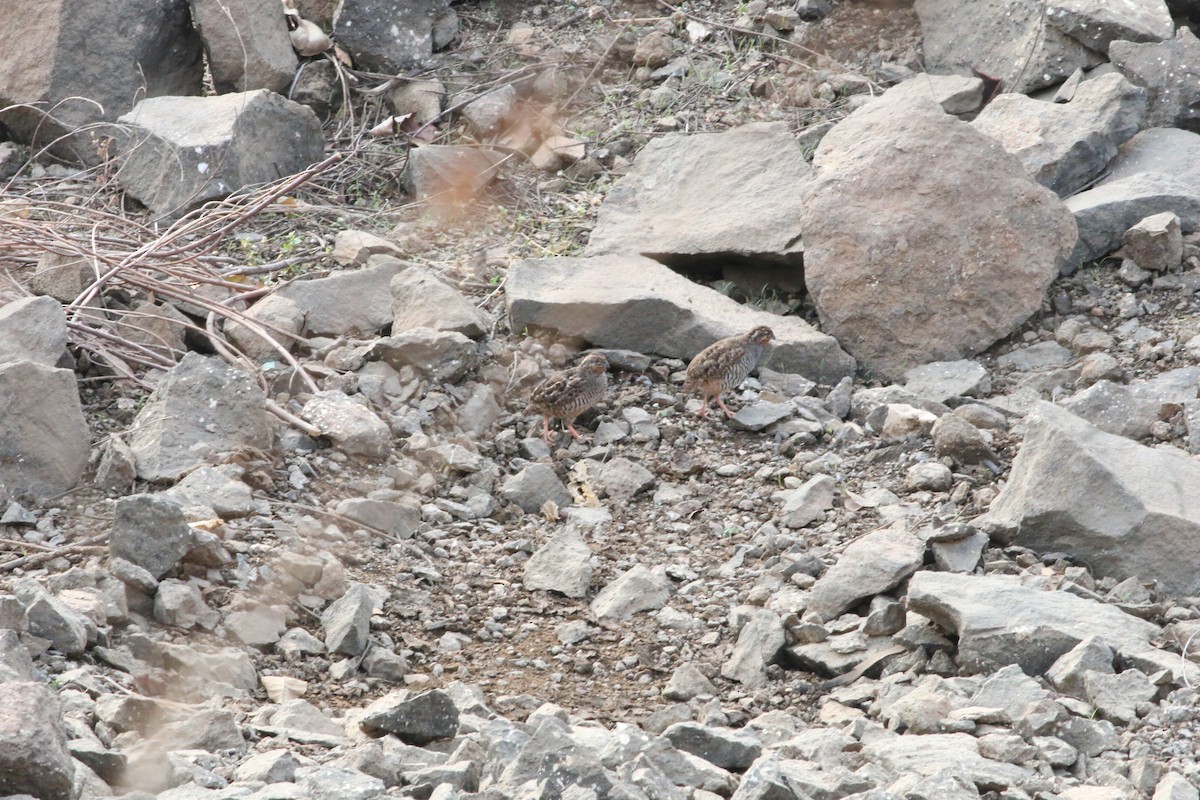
[569, 393]
[724, 365]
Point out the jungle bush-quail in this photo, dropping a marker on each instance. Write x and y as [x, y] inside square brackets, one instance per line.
[569, 393]
[724, 365]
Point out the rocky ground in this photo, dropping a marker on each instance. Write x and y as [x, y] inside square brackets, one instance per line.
[413, 595]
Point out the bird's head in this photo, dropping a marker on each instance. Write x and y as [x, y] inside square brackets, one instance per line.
[595, 362]
[761, 335]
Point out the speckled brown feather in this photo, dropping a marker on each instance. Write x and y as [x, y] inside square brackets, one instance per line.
[723, 365]
[569, 393]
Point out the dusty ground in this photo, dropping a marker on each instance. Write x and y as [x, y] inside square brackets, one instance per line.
[464, 577]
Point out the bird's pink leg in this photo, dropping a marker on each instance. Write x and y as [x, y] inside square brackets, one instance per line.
[575, 433]
[546, 430]
[703, 412]
[724, 407]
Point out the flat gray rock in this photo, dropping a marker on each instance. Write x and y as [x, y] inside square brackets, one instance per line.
[1007, 39]
[353, 301]
[179, 427]
[352, 426]
[725, 748]
[150, 531]
[347, 620]
[399, 519]
[439, 355]
[956, 94]
[415, 719]
[421, 299]
[49, 618]
[897, 274]
[741, 182]
[1115, 409]
[872, 564]
[533, 487]
[1157, 170]
[760, 636]
[999, 621]
[636, 303]
[1123, 508]
[563, 564]
[933, 753]
[178, 152]
[941, 380]
[393, 36]
[1065, 145]
[636, 589]
[44, 439]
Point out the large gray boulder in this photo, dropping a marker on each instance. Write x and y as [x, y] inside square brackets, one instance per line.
[635, 303]
[1065, 145]
[708, 194]
[247, 44]
[908, 264]
[999, 621]
[392, 36]
[1011, 40]
[182, 423]
[34, 759]
[66, 64]
[44, 439]
[1123, 508]
[178, 152]
[1170, 71]
[1158, 170]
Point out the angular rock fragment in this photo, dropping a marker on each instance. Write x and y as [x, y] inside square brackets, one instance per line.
[353, 427]
[415, 719]
[44, 440]
[420, 299]
[179, 152]
[1156, 171]
[150, 532]
[34, 759]
[1170, 72]
[636, 589]
[1008, 40]
[393, 36]
[33, 329]
[871, 565]
[1122, 507]
[69, 63]
[246, 44]
[180, 426]
[1065, 145]
[562, 564]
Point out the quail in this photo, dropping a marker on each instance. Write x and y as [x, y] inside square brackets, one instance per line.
[724, 365]
[569, 393]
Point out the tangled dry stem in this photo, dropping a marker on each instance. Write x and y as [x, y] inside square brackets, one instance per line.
[75, 219]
